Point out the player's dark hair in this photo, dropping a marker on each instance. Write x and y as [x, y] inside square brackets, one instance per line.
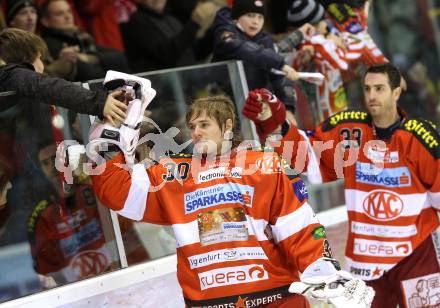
[393, 73]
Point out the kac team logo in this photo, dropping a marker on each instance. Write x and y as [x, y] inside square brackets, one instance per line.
[89, 263]
[383, 205]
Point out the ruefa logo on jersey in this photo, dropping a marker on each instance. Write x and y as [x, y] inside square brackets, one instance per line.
[383, 205]
[219, 173]
[300, 190]
[381, 249]
[232, 275]
[218, 194]
[388, 177]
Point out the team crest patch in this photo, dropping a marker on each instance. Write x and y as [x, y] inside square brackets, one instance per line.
[300, 190]
[422, 291]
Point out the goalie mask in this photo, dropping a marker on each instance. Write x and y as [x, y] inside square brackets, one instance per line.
[137, 94]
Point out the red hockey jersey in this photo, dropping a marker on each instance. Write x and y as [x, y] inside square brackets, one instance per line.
[242, 225]
[68, 245]
[392, 188]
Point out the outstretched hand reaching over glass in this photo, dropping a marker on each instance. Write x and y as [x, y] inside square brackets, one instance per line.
[114, 108]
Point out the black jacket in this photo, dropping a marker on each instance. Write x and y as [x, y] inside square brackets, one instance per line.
[156, 41]
[30, 86]
[257, 53]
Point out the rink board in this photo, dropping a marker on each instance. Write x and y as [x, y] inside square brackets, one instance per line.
[152, 284]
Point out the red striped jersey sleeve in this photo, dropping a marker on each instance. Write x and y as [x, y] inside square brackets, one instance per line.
[294, 225]
[130, 194]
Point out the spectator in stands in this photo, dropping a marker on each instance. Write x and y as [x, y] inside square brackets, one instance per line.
[68, 42]
[22, 14]
[22, 51]
[65, 225]
[238, 35]
[101, 19]
[165, 42]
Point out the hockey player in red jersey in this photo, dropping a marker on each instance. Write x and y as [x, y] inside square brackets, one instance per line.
[243, 227]
[64, 228]
[390, 164]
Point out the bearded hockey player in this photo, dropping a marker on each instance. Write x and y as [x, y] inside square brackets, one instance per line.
[392, 184]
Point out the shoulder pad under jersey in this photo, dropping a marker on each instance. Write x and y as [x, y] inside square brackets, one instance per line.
[346, 116]
[426, 133]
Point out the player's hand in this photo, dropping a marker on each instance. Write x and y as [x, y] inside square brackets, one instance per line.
[322, 281]
[265, 110]
[252, 107]
[114, 110]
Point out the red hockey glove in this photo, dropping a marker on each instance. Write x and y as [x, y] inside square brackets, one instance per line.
[265, 110]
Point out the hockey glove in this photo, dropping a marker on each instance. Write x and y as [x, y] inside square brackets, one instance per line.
[137, 94]
[265, 110]
[322, 281]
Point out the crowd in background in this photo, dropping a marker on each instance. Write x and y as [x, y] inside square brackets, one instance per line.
[87, 38]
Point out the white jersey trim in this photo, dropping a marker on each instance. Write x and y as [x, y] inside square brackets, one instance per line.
[134, 206]
[434, 198]
[294, 222]
[186, 234]
[367, 271]
[257, 227]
